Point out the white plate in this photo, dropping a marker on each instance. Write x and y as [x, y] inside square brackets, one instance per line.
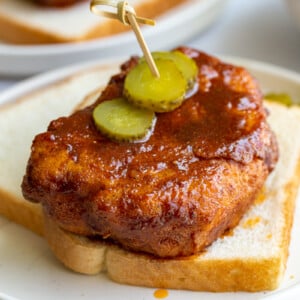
[173, 28]
[29, 271]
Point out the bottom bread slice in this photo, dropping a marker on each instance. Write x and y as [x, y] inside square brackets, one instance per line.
[251, 257]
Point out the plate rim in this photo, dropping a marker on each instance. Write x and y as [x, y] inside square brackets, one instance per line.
[16, 61]
[49, 77]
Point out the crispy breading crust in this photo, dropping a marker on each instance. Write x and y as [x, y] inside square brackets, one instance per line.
[174, 194]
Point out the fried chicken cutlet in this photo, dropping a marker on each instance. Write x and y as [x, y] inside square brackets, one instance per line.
[173, 194]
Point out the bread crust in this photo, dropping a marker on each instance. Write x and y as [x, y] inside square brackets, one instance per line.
[21, 212]
[20, 33]
[78, 253]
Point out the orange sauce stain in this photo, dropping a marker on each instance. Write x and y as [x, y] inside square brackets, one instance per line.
[261, 196]
[292, 276]
[269, 236]
[161, 294]
[250, 223]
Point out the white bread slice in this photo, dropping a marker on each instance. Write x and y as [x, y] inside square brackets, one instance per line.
[24, 22]
[20, 121]
[251, 258]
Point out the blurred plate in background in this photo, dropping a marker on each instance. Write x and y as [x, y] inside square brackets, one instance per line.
[172, 28]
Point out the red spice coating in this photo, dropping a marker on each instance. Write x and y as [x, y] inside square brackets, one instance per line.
[175, 193]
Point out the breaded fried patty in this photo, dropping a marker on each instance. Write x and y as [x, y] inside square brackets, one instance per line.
[172, 195]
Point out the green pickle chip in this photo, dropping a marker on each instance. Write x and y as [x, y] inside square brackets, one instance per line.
[282, 98]
[159, 94]
[185, 64]
[122, 121]
[130, 118]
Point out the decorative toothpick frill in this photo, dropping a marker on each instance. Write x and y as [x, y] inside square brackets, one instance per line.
[126, 14]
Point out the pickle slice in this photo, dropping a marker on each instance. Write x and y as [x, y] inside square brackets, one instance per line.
[185, 64]
[159, 94]
[120, 120]
[282, 98]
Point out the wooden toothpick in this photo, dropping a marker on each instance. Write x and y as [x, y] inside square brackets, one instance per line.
[126, 14]
[143, 45]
